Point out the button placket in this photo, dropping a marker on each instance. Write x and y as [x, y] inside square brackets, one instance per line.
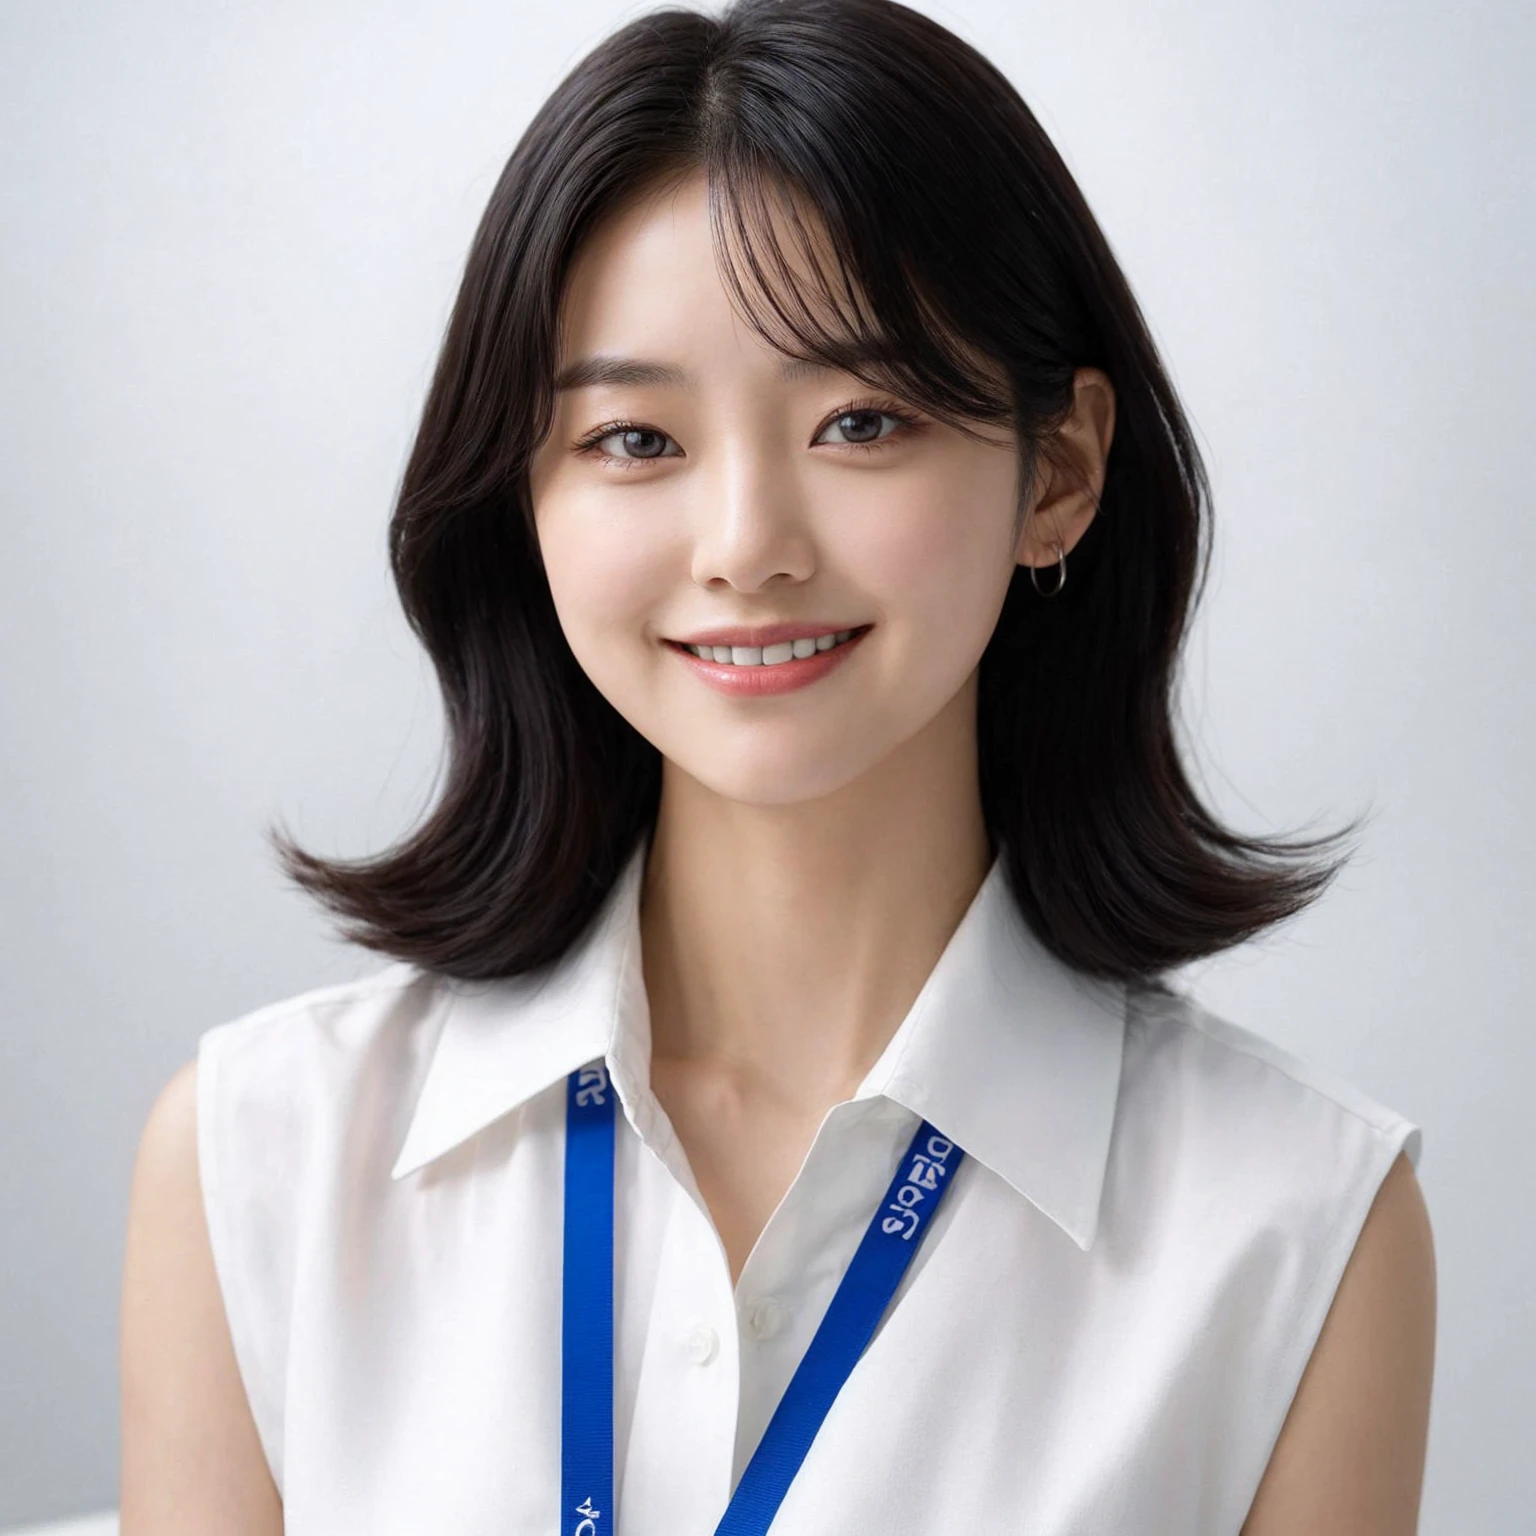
[678, 1461]
[766, 1317]
[790, 1277]
[702, 1344]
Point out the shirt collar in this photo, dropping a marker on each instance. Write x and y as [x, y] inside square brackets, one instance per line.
[1006, 1050]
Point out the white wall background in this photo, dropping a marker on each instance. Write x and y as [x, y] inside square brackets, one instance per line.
[229, 237]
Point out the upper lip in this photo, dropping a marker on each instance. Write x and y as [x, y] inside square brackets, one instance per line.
[766, 634]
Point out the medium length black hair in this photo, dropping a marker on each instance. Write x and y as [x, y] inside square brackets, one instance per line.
[969, 276]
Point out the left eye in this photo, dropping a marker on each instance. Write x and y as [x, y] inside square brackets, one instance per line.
[636, 443]
[861, 426]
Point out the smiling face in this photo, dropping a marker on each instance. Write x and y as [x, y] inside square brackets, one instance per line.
[721, 486]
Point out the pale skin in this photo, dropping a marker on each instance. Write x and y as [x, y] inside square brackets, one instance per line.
[814, 850]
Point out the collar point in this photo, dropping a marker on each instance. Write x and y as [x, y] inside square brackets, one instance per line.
[1083, 1235]
[408, 1162]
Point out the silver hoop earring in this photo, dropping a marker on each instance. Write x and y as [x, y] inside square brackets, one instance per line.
[1061, 574]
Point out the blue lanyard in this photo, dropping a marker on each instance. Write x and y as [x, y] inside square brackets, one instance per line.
[586, 1381]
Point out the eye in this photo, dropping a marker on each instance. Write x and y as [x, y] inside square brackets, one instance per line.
[866, 426]
[627, 442]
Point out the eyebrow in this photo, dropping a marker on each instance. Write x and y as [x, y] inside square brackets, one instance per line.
[586, 372]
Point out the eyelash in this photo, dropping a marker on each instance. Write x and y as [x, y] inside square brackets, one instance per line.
[907, 424]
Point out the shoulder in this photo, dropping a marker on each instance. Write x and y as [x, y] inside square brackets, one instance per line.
[292, 1091]
[1246, 1151]
[191, 1453]
[285, 1111]
[167, 1152]
[164, 1203]
[1222, 1079]
[287, 1090]
[1349, 1459]
[1297, 1199]
[345, 1019]
[288, 1076]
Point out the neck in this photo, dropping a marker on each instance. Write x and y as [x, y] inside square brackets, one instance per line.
[783, 944]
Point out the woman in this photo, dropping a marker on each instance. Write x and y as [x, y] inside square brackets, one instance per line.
[777, 1109]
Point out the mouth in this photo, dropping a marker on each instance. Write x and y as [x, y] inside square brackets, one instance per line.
[761, 671]
[781, 653]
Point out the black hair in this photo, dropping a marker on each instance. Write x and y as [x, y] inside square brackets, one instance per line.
[972, 279]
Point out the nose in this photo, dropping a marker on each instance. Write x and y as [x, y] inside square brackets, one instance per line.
[752, 526]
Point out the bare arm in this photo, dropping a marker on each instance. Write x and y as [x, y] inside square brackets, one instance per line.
[192, 1461]
[1350, 1457]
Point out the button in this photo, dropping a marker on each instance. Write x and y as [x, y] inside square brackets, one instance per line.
[766, 1317]
[703, 1344]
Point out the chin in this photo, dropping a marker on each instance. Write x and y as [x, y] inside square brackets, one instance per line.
[782, 778]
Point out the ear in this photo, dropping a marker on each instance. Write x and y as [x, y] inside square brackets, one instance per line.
[1069, 478]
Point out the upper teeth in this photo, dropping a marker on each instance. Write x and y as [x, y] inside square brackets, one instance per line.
[768, 655]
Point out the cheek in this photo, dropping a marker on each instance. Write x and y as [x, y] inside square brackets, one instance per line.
[605, 573]
[941, 561]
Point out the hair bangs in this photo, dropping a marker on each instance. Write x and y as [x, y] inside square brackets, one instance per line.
[818, 279]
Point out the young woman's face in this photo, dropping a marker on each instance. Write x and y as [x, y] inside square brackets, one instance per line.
[716, 486]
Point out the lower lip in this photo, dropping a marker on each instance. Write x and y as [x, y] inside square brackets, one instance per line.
[760, 681]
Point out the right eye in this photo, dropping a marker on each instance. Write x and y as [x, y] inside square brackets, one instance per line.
[628, 442]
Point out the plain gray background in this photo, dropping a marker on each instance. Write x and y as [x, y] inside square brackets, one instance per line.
[229, 238]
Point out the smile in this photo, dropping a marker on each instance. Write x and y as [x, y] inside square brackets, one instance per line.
[752, 671]
[769, 655]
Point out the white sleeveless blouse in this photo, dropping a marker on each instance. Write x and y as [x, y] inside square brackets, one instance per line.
[1102, 1332]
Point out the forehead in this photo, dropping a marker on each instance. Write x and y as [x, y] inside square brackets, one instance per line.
[650, 278]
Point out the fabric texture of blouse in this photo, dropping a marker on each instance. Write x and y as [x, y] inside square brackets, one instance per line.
[1102, 1333]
